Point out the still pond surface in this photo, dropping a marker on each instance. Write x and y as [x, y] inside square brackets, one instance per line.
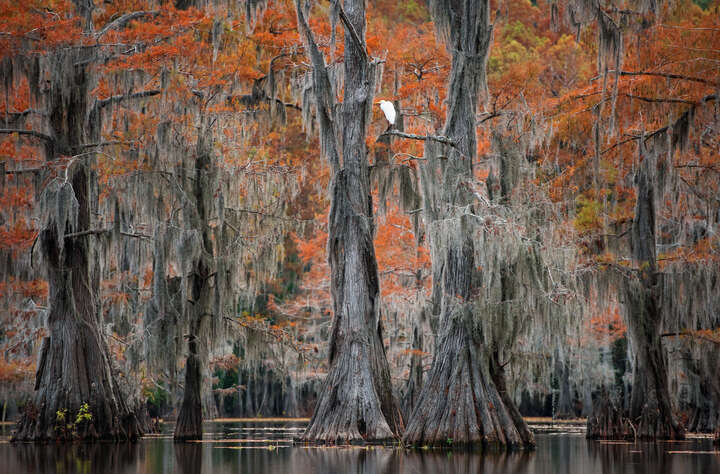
[266, 448]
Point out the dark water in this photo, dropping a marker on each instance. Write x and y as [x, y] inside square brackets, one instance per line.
[265, 448]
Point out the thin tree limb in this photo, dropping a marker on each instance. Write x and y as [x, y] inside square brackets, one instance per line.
[32, 133]
[690, 28]
[660, 100]
[412, 136]
[667, 75]
[278, 336]
[104, 231]
[16, 115]
[119, 98]
[24, 170]
[122, 20]
[707, 98]
[692, 335]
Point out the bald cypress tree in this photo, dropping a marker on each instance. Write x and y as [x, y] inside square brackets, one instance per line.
[74, 374]
[464, 398]
[356, 403]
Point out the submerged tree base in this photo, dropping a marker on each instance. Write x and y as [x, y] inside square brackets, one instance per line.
[356, 405]
[33, 428]
[611, 423]
[189, 423]
[389, 442]
[464, 402]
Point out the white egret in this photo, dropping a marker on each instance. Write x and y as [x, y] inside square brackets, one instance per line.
[389, 110]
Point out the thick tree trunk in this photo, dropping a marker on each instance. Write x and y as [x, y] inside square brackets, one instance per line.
[650, 406]
[357, 402]
[608, 421]
[464, 400]
[563, 408]
[705, 395]
[189, 422]
[74, 367]
[650, 415]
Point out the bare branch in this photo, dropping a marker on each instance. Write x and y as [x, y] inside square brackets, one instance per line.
[660, 100]
[31, 133]
[109, 143]
[24, 170]
[122, 20]
[105, 231]
[490, 117]
[411, 136]
[119, 98]
[707, 98]
[702, 167]
[17, 115]
[690, 28]
[281, 337]
[666, 75]
[269, 216]
[691, 334]
[86, 232]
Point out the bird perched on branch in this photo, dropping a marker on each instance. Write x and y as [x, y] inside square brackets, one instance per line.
[389, 110]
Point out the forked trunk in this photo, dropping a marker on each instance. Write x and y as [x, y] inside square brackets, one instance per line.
[356, 403]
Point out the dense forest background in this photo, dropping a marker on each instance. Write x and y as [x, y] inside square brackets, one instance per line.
[203, 211]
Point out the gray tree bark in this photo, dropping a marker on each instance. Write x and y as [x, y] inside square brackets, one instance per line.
[356, 404]
[415, 377]
[189, 422]
[74, 366]
[705, 388]
[650, 415]
[202, 284]
[563, 408]
[464, 400]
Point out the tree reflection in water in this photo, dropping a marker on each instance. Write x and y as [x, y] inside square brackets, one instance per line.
[639, 458]
[268, 452]
[71, 458]
[188, 458]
